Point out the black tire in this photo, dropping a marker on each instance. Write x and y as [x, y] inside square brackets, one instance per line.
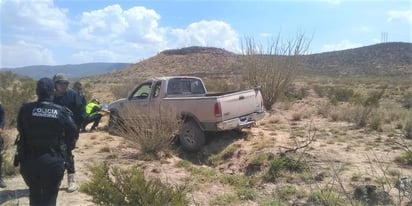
[191, 137]
[115, 124]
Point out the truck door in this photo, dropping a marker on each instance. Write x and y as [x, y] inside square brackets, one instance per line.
[155, 98]
[138, 101]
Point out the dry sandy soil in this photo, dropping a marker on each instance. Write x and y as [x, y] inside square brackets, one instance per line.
[337, 148]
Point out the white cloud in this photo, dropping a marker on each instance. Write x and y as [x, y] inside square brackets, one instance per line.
[23, 54]
[37, 31]
[345, 44]
[28, 17]
[400, 15]
[112, 22]
[208, 33]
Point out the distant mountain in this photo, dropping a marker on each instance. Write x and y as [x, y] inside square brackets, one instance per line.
[71, 70]
[393, 58]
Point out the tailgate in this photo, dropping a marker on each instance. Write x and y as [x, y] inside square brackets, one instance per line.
[240, 103]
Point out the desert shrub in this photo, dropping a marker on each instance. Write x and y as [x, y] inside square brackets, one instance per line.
[8, 169]
[247, 193]
[326, 198]
[14, 92]
[258, 159]
[294, 165]
[227, 153]
[271, 202]
[340, 94]
[274, 67]
[153, 131]
[405, 158]
[115, 186]
[286, 192]
[408, 129]
[407, 101]
[321, 91]
[275, 168]
[280, 164]
[123, 90]
[293, 93]
[365, 106]
[226, 199]
[376, 121]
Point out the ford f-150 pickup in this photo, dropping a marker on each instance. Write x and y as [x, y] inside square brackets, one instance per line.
[201, 111]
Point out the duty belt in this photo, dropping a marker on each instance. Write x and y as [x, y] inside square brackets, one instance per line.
[35, 152]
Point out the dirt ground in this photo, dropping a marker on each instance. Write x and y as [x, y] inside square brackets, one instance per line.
[337, 148]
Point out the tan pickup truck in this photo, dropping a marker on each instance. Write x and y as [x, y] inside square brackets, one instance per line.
[200, 110]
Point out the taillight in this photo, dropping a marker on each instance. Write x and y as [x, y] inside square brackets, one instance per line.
[218, 110]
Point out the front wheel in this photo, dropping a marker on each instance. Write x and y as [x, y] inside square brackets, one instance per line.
[115, 124]
[191, 136]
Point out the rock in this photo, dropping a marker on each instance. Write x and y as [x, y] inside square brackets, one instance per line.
[404, 185]
[371, 195]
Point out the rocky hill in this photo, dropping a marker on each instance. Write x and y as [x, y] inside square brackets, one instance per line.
[379, 59]
[198, 61]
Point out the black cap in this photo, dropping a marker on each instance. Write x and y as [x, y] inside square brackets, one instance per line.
[45, 87]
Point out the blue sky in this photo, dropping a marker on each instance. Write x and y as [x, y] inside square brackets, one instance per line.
[55, 32]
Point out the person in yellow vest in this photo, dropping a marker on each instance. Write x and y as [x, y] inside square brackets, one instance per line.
[92, 115]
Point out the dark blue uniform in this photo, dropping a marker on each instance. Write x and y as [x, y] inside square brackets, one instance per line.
[44, 127]
[74, 102]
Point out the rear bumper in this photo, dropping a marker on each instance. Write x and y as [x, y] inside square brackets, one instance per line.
[241, 122]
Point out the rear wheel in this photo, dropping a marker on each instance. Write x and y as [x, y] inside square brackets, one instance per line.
[191, 136]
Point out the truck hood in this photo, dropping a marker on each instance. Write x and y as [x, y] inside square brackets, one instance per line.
[116, 104]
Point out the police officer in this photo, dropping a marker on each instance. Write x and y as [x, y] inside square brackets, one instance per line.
[2, 123]
[69, 98]
[92, 115]
[45, 129]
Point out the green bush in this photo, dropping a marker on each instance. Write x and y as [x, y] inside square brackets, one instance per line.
[405, 158]
[321, 91]
[280, 164]
[8, 168]
[14, 92]
[275, 168]
[408, 129]
[365, 107]
[152, 132]
[114, 186]
[340, 94]
[407, 101]
[326, 198]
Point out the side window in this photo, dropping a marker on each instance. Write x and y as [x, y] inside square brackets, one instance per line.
[185, 86]
[142, 92]
[174, 87]
[197, 87]
[157, 89]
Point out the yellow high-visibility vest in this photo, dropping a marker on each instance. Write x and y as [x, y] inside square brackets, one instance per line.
[89, 108]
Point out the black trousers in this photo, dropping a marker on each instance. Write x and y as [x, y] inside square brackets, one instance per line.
[43, 175]
[94, 118]
[70, 162]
